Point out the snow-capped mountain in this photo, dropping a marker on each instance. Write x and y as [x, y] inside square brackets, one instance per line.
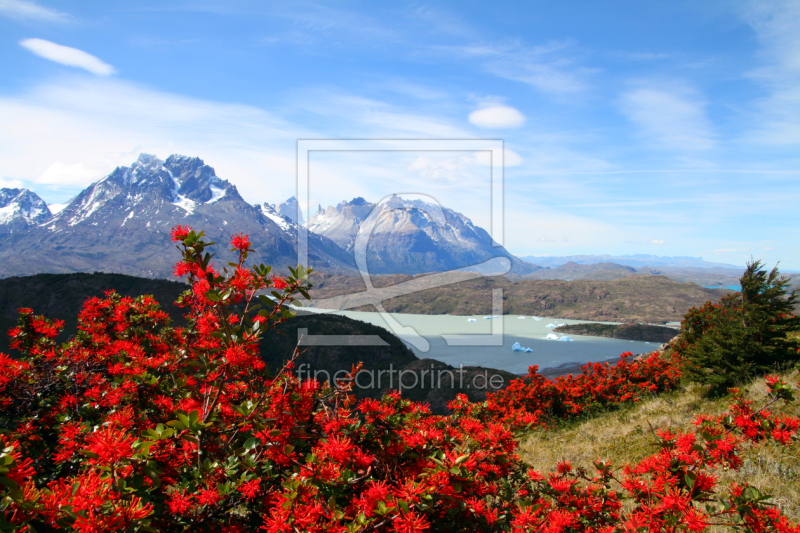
[122, 223]
[20, 209]
[406, 238]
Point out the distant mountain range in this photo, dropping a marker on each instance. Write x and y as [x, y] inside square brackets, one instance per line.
[122, 224]
[636, 261]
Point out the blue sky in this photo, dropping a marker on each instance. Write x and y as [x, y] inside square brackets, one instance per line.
[670, 128]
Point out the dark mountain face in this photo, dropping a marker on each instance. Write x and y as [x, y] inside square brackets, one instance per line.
[20, 209]
[122, 224]
[406, 239]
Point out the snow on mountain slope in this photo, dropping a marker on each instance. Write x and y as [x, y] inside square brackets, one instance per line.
[21, 208]
[407, 239]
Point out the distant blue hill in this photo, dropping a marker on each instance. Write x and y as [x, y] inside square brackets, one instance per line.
[636, 261]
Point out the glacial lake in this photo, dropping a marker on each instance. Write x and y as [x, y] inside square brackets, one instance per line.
[527, 331]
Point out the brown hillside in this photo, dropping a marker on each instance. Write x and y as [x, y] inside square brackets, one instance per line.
[654, 299]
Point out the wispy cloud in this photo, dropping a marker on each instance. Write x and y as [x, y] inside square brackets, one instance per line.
[110, 121]
[672, 117]
[777, 116]
[550, 68]
[26, 10]
[65, 55]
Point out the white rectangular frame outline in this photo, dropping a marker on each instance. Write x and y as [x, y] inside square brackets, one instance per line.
[496, 176]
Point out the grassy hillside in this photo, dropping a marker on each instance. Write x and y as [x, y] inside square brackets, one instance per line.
[650, 299]
[625, 436]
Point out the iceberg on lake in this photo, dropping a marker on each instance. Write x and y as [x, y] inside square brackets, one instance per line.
[552, 336]
[517, 347]
[536, 318]
[521, 317]
[472, 320]
[565, 339]
[551, 325]
[490, 317]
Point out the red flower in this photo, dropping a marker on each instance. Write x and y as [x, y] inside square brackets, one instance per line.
[250, 488]
[180, 232]
[241, 242]
[179, 502]
[279, 283]
[110, 445]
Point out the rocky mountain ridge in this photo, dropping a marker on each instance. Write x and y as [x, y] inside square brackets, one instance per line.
[122, 224]
[404, 236]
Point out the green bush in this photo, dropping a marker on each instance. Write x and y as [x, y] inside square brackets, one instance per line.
[746, 334]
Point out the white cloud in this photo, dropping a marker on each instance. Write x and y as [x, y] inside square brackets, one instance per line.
[497, 117]
[65, 55]
[6, 183]
[62, 174]
[671, 117]
[23, 9]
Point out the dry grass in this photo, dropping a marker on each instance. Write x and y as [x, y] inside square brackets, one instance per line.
[625, 436]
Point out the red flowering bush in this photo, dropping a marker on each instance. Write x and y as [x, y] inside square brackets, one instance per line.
[600, 386]
[135, 425]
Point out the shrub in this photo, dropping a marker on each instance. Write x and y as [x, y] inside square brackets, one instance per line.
[598, 387]
[744, 335]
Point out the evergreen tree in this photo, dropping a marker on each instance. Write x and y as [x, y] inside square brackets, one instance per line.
[744, 335]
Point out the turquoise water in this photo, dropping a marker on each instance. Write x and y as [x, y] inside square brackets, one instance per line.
[527, 331]
[729, 287]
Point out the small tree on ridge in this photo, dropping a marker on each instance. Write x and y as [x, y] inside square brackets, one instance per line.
[744, 335]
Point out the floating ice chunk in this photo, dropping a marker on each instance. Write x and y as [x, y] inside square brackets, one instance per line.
[472, 320]
[559, 325]
[565, 339]
[490, 317]
[521, 317]
[517, 347]
[536, 318]
[551, 325]
[552, 336]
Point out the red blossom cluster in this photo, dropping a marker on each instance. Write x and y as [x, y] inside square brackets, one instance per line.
[135, 425]
[600, 386]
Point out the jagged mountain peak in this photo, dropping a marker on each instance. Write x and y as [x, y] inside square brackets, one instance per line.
[20, 208]
[291, 209]
[358, 201]
[179, 182]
